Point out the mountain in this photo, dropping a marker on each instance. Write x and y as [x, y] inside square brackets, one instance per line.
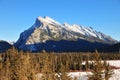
[115, 48]
[51, 35]
[112, 48]
[4, 46]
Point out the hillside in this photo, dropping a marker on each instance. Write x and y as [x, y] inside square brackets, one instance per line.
[4, 46]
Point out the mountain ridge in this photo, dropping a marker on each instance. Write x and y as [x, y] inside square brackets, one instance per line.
[46, 29]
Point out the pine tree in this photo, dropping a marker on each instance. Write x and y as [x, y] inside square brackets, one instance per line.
[97, 68]
[62, 74]
[87, 64]
[47, 69]
[16, 66]
[5, 72]
[108, 72]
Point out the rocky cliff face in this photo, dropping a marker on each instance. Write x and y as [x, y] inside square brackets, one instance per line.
[48, 32]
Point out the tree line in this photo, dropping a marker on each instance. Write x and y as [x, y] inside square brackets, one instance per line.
[19, 65]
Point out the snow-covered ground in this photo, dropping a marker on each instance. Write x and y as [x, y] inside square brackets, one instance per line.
[83, 75]
[79, 75]
[114, 63]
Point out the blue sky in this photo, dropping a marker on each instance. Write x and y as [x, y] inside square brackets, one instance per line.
[18, 15]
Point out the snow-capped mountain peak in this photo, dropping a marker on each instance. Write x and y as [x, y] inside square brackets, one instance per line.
[52, 26]
[50, 20]
[46, 29]
[66, 24]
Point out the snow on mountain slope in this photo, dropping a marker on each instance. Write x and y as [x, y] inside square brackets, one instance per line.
[50, 20]
[49, 24]
[47, 28]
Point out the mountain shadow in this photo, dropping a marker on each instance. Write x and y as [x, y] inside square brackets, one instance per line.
[64, 46]
[112, 48]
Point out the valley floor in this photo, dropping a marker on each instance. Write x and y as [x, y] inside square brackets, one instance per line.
[115, 76]
[83, 75]
[80, 75]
